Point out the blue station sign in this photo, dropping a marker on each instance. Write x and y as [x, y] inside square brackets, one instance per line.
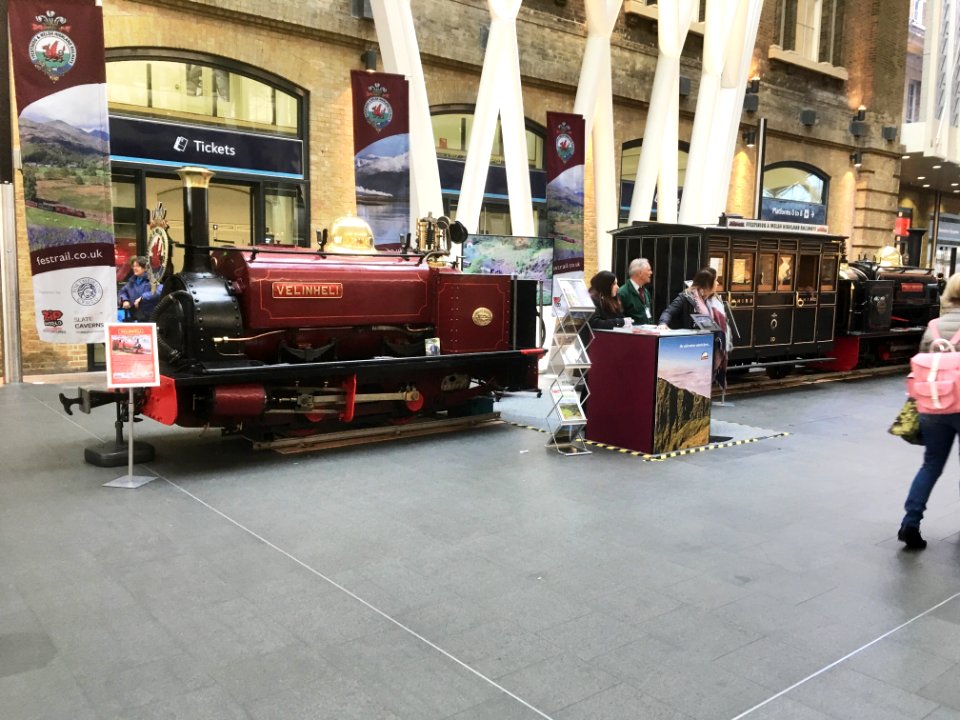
[152, 142]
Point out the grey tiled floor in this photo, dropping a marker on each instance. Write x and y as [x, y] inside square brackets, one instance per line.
[478, 577]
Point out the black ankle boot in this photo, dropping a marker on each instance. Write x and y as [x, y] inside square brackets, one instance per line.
[911, 537]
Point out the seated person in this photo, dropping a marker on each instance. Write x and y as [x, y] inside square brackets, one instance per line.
[690, 302]
[140, 295]
[603, 290]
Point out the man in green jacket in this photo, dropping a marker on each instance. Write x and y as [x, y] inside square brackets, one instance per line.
[635, 295]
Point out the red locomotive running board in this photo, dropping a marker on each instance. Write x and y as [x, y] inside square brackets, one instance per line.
[306, 291]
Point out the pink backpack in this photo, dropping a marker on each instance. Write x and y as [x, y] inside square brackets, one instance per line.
[934, 379]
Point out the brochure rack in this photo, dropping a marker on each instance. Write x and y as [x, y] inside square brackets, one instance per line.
[568, 362]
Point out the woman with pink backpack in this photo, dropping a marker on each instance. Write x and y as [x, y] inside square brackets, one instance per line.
[937, 428]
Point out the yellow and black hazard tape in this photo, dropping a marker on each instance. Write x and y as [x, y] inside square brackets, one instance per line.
[717, 446]
[660, 457]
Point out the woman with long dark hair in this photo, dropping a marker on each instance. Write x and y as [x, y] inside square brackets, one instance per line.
[603, 290]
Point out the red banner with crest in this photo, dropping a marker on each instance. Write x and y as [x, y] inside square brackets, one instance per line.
[381, 141]
[564, 149]
[59, 77]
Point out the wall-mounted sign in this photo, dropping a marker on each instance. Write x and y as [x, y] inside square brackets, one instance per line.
[748, 224]
[948, 229]
[901, 225]
[794, 211]
[152, 142]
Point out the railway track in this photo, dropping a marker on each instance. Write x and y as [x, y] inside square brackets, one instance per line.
[755, 383]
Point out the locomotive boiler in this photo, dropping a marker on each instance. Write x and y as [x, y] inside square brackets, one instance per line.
[274, 341]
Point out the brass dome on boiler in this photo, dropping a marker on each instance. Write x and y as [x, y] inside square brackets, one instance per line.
[889, 256]
[350, 234]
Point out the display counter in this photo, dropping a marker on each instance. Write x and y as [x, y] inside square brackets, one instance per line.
[650, 390]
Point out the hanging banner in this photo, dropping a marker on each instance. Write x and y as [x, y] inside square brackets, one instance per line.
[381, 142]
[564, 148]
[60, 81]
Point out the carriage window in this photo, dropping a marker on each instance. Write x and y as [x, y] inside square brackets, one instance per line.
[741, 272]
[768, 266]
[718, 263]
[785, 272]
[807, 273]
[828, 274]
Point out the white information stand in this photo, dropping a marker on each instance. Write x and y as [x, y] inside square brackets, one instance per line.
[132, 362]
[568, 362]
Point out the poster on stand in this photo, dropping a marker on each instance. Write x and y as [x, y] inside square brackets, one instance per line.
[132, 359]
[684, 378]
[564, 149]
[381, 141]
[59, 76]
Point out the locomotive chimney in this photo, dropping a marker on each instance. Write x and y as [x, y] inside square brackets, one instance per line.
[196, 181]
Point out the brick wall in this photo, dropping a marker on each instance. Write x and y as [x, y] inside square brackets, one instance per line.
[316, 44]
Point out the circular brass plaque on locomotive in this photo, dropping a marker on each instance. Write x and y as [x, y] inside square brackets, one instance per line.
[482, 316]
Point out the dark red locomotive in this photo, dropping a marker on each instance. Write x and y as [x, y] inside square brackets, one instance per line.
[279, 341]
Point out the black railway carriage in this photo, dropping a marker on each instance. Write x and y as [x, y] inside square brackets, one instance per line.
[781, 285]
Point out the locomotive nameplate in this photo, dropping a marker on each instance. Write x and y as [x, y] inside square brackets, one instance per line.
[307, 291]
[482, 317]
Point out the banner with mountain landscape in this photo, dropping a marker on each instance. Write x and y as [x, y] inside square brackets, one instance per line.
[61, 93]
[381, 141]
[564, 150]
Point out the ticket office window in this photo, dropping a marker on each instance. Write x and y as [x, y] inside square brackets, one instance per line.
[230, 212]
[124, 192]
[240, 213]
[741, 272]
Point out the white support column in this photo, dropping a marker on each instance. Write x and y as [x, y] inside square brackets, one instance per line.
[500, 94]
[702, 167]
[733, 84]
[401, 54]
[595, 103]
[674, 18]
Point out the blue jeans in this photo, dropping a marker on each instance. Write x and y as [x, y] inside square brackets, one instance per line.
[938, 432]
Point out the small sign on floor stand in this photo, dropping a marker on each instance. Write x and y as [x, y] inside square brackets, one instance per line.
[132, 362]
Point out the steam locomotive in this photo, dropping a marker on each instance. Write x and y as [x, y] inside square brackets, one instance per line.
[273, 342]
[791, 294]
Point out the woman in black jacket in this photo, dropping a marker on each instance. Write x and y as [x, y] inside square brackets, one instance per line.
[691, 304]
[603, 290]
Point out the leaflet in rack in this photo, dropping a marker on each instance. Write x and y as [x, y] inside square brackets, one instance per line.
[566, 401]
